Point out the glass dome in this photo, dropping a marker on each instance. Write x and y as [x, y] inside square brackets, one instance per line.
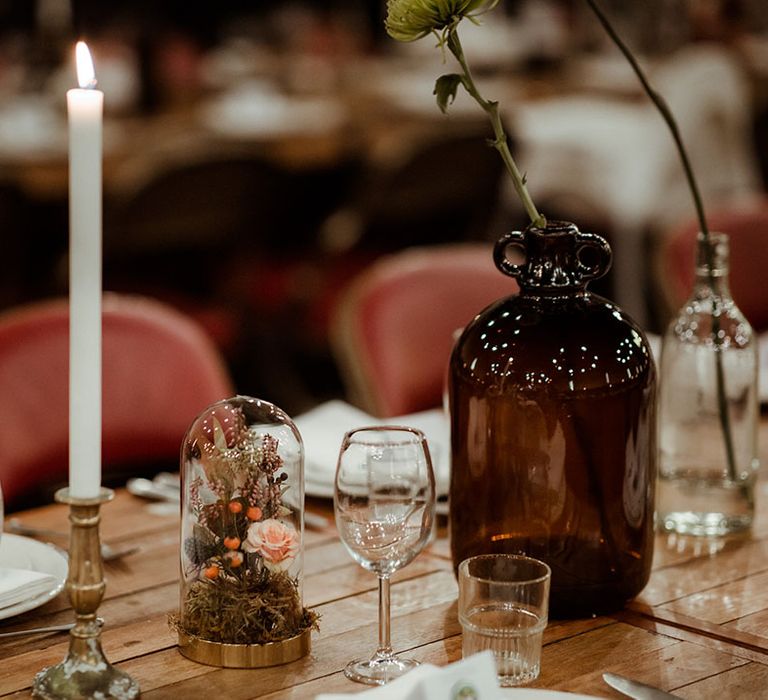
[242, 466]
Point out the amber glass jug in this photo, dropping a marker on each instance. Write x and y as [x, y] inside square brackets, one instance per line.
[552, 399]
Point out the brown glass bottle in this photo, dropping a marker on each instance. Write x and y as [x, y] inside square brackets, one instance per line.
[552, 396]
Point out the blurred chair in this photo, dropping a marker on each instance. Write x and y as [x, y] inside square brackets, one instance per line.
[159, 371]
[176, 222]
[442, 190]
[747, 226]
[23, 255]
[186, 199]
[225, 235]
[395, 325]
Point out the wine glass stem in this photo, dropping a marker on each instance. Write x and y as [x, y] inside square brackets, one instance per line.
[385, 646]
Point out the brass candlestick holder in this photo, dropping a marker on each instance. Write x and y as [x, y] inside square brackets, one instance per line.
[85, 672]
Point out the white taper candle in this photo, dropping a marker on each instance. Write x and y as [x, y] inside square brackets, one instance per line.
[84, 109]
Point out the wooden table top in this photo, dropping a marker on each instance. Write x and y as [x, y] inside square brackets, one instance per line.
[700, 627]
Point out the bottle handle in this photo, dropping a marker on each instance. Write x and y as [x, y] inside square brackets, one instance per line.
[511, 238]
[583, 272]
[602, 262]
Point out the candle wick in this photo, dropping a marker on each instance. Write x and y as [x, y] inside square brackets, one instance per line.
[91, 84]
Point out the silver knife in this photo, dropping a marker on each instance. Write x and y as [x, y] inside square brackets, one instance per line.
[636, 689]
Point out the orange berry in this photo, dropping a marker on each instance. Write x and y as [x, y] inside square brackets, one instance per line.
[235, 561]
[232, 542]
[212, 571]
[235, 506]
[254, 513]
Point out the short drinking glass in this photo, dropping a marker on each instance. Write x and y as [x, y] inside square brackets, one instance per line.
[503, 606]
[384, 500]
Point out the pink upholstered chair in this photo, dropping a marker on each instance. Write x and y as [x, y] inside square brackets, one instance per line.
[747, 227]
[395, 325]
[159, 371]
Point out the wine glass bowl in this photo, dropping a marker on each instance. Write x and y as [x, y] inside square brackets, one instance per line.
[384, 501]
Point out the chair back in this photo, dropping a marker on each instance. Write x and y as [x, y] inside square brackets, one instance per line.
[159, 371]
[747, 228]
[396, 324]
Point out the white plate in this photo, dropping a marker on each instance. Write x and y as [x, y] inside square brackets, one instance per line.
[540, 694]
[19, 552]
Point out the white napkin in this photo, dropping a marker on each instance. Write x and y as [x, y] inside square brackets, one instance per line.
[322, 430]
[427, 682]
[17, 585]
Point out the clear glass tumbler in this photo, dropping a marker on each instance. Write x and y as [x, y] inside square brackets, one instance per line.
[503, 607]
[708, 408]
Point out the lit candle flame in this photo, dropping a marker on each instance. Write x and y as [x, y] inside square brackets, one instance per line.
[86, 76]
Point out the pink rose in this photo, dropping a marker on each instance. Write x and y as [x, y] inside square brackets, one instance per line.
[276, 542]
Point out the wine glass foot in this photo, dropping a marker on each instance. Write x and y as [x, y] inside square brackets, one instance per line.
[378, 670]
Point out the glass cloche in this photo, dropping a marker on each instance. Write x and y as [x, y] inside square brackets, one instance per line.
[242, 467]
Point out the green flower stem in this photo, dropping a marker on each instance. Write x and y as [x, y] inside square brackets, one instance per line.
[500, 143]
[666, 113]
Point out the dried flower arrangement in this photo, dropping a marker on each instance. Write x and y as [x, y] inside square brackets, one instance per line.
[239, 553]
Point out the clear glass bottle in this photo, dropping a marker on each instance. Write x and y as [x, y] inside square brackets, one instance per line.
[708, 407]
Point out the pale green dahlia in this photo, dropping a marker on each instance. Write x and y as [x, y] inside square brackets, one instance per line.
[408, 20]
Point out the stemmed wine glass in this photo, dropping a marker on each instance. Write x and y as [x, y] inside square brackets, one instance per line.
[384, 500]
